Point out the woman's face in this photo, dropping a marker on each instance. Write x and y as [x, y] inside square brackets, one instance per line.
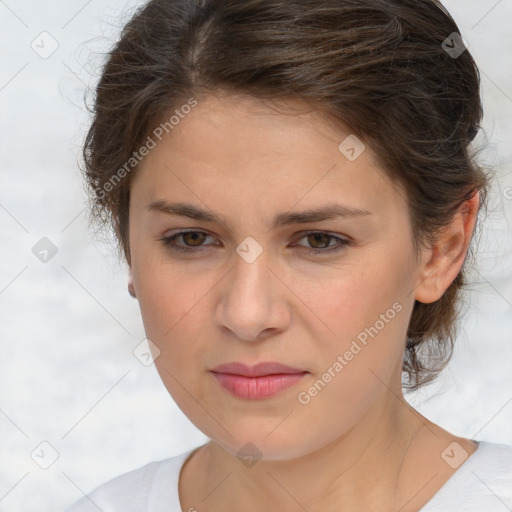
[250, 290]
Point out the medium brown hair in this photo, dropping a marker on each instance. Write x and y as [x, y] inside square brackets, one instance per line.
[379, 67]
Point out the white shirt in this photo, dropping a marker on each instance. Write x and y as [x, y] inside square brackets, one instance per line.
[483, 483]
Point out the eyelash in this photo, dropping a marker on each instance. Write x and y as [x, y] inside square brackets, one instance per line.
[169, 242]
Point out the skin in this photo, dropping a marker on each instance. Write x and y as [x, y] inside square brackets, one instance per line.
[357, 445]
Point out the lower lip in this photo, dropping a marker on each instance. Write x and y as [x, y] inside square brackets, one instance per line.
[257, 388]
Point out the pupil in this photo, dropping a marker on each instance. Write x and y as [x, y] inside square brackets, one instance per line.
[317, 237]
[195, 237]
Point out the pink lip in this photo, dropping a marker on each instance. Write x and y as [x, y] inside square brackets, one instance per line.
[256, 382]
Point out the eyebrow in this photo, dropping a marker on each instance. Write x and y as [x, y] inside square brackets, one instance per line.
[326, 212]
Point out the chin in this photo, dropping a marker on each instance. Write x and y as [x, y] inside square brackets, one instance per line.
[251, 442]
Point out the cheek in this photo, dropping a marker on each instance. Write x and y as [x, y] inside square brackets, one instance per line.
[360, 341]
[166, 291]
[171, 306]
[345, 303]
[168, 300]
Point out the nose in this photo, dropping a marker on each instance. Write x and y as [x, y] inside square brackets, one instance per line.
[253, 303]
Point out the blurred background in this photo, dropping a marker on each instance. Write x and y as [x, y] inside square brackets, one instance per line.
[78, 405]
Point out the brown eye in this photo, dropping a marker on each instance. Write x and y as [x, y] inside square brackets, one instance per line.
[319, 240]
[193, 238]
[320, 243]
[189, 240]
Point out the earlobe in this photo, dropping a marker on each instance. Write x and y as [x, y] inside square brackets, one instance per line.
[131, 289]
[442, 262]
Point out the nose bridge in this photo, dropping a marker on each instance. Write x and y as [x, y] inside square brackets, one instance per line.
[249, 302]
[250, 268]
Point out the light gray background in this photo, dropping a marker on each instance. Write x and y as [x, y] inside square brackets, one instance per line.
[68, 326]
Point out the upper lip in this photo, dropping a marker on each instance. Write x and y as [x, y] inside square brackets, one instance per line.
[257, 370]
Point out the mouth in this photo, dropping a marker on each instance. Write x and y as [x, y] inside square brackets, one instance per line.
[257, 382]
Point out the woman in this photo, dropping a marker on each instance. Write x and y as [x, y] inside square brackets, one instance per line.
[293, 188]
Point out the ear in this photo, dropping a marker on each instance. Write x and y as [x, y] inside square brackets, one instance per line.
[131, 289]
[441, 262]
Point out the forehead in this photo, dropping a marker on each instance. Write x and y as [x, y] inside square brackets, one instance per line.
[241, 125]
[238, 150]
